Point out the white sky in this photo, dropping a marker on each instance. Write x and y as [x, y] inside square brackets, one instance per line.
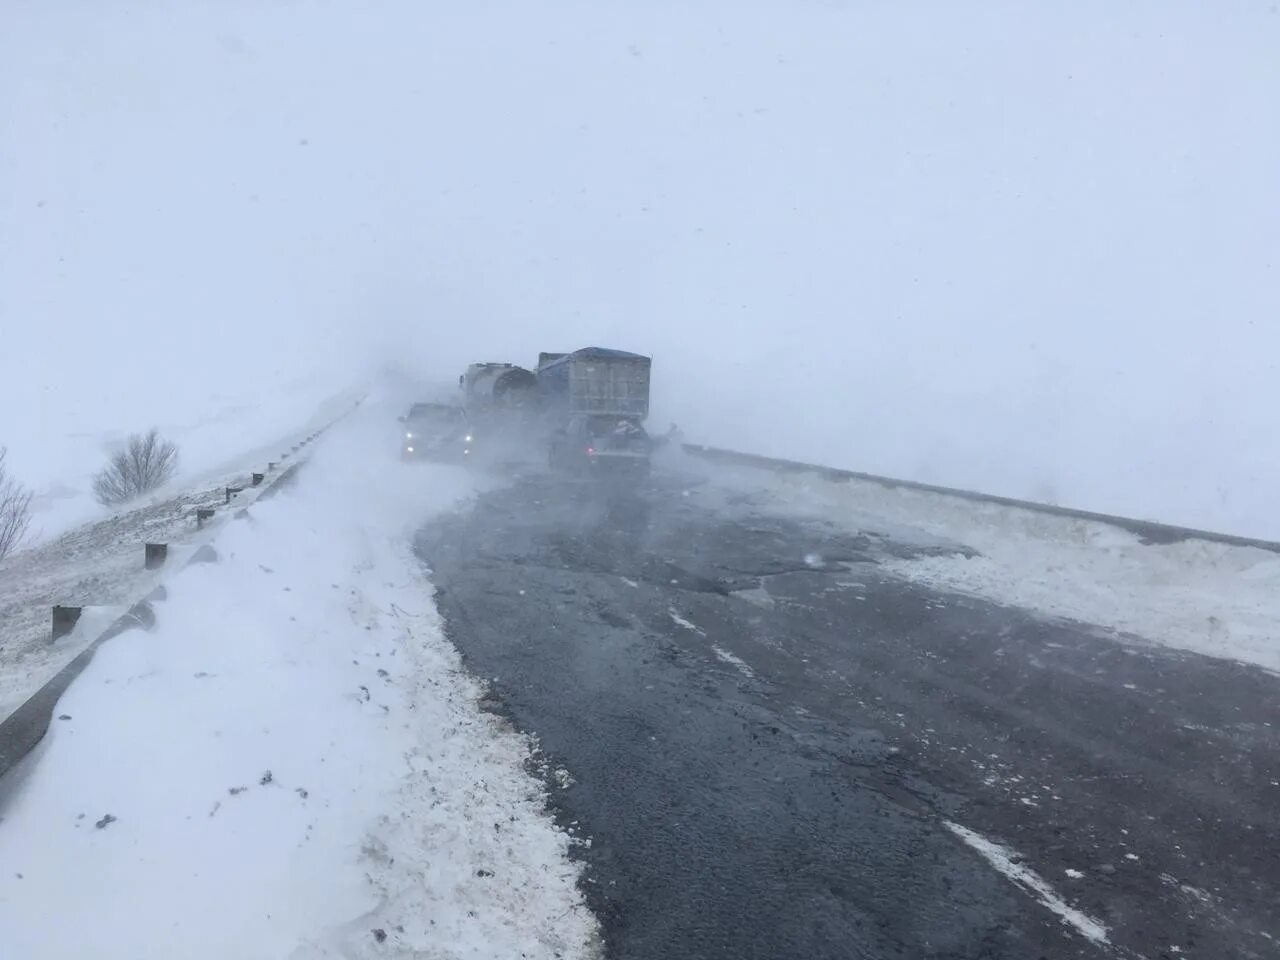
[1032, 249]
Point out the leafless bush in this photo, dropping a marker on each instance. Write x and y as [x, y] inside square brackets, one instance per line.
[144, 464]
[15, 510]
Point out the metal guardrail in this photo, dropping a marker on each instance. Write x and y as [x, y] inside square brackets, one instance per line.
[25, 727]
[1148, 531]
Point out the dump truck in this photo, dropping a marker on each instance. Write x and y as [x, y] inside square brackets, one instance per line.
[595, 381]
[595, 401]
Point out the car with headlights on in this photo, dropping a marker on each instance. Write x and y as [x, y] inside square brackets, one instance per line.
[436, 431]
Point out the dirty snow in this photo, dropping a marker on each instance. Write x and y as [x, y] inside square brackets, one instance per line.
[293, 762]
[1197, 595]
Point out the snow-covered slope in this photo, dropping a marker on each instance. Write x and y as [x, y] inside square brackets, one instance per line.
[293, 763]
[234, 427]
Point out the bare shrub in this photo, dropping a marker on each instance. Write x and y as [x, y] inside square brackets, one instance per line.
[15, 510]
[147, 461]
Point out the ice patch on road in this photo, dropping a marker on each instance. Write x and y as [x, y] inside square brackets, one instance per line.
[1005, 861]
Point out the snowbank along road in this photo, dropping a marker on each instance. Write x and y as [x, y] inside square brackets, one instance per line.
[98, 565]
[785, 742]
[293, 763]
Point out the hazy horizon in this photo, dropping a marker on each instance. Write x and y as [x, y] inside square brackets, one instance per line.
[1031, 251]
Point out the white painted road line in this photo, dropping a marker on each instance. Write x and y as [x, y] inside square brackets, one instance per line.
[1005, 862]
[723, 655]
[727, 657]
[687, 624]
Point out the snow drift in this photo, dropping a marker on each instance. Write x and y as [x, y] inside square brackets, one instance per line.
[293, 763]
[1206, 597]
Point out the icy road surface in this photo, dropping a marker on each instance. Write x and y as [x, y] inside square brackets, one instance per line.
[786, 742]
[293, 763]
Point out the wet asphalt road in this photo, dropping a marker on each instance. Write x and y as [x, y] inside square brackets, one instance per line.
[767, 737]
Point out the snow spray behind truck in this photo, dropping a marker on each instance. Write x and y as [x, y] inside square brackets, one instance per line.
[596, 401]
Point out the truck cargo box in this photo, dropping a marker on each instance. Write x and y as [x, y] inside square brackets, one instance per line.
[596, 381]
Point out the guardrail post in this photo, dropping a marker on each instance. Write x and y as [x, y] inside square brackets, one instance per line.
[231, 492]
[142, 615]
[156, 553]
[257, 478]
[203, 514]
[64, 620]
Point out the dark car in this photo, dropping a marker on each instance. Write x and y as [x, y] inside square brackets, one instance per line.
[436, 431]
[594, 445]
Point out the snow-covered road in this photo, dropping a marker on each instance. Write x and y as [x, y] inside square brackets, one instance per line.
[1216, 599]
[293, 763]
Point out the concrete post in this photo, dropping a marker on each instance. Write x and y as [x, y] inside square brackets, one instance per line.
[231, 492]
[64, 620]
[203, 514]
[258, 478]
[156, 553]
[271, 464]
